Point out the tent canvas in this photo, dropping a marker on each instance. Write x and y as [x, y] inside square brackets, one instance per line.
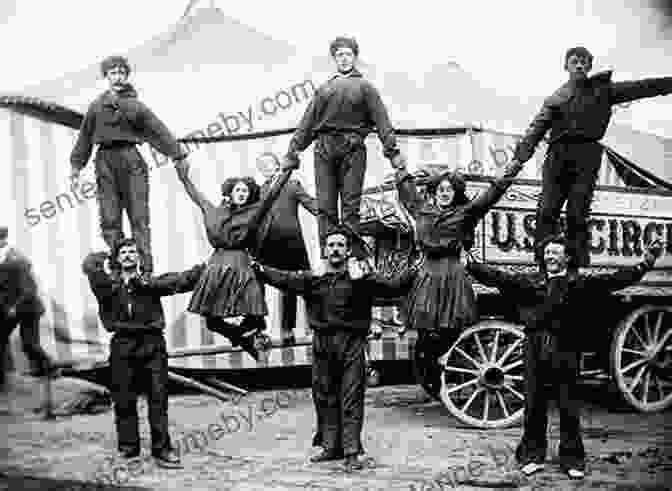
[199, 90]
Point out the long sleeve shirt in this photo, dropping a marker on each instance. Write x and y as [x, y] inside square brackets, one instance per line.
[136, 304]
[441, 232]
[345, 103]
[334, 300]
[123, 118]
[18, 288]
[582, 111]
[554, 303]
[230, 227]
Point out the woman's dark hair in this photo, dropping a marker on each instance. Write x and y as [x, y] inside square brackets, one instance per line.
[455, 180]
[230, 183]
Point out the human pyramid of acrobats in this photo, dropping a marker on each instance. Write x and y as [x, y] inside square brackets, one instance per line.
[246, 228]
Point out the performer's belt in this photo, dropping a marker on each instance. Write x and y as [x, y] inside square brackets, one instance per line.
[574, 139]
[116, 145]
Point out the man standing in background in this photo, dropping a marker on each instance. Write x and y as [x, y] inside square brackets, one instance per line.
[20, 304]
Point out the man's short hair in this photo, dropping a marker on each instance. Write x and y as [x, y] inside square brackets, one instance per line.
[553, 239]
[580, 52]
[339, 230]
[114, 61]
[125, 242]
[4, 232]
[344, 42]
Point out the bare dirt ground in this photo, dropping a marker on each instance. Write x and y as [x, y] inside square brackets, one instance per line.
[262, 442]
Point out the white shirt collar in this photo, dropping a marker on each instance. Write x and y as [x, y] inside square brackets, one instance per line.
[4, 251]
[561, 273]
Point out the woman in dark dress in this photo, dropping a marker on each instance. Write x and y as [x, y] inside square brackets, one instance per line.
[228, 294]
[279, 237]
[441, 296]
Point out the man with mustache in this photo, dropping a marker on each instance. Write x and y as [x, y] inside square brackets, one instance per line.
[339, 306]
[117, 122]
[130, 307]
[550, 305]
[343, 111]
[577, 115]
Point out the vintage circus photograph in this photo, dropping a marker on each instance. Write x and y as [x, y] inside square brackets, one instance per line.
[336, 246]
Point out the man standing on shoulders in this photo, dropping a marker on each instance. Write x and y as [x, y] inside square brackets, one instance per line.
[130, 307]
[339, 306]
[550, 302]
[577, 115]
[20, 304]
[341, 114]
[117, 122]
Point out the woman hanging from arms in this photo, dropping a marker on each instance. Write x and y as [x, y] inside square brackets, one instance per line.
[228, 294]
[441, 296]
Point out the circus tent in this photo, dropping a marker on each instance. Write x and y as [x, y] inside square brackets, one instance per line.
[199, 84]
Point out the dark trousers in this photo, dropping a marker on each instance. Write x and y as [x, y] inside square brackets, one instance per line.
[340, 166]
[30, 342]
[122, 181]
[288, 305]
[339, 384]
[569, 175]
[548, 362]
[139, 364]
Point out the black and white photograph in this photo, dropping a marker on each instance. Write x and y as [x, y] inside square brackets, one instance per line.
[336, 245]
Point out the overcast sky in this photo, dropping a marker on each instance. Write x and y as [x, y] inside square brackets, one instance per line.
[516, 46]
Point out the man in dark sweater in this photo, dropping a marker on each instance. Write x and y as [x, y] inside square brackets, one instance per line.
[550, 308]
[20, 304]
[339, 306]
[341, 114]
[130, 307]
[577, 115]
[117, 122]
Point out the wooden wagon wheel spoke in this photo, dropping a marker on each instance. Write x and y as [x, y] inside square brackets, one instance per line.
[659, 323]
[512, 366]
[638, 378]
[510, 350]
[463, 353]
[471, 399]
[502, 404]
[641, 341]
[660, 345]
[481, 351]
[633, 365]
[486, 406]
[495, 346]
[647, 379]
[514, 377]
[647, 329]
[515, 392]
[634, 352]
[461, 370]
[462, 386]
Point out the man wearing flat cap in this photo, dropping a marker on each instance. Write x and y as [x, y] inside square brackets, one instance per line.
[20, 305]
[117, 122]
[577, 115]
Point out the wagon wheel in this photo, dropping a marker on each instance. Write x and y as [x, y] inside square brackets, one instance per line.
[482, 379]
[641, 358]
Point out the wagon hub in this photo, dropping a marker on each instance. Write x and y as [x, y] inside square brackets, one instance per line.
[492, 377]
